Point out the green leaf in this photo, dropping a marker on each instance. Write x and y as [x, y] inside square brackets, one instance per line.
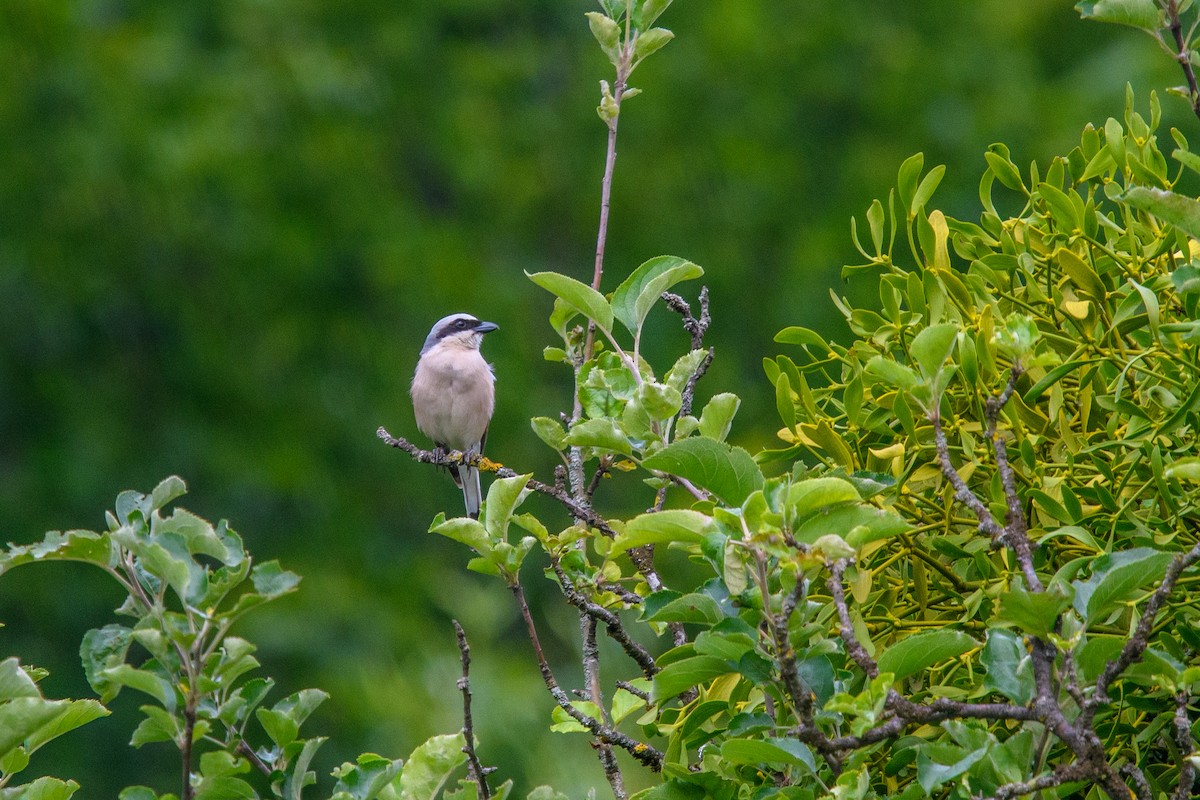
[1182, 212]
[892, 373]
[103, 649]
[919, 651]
[430, 766]
[906, 180]
[664, 527]
[607, 33]
[76, 714]
[601, 433]
[926, 189]
[283, 720]
[1034, 613]
[688, 608]
[299, 777]
[168, 489]
[814, 494]
[651, 42]
[143, 681]
[1116, 577]
[638, 293]
[646, 14]
[15, 682]
[717, 418]
[679, 676]
[137, 793]
[580, 296]
[21, 717]
[1184, 469]
[44, 789]
[779, 752]
[503, 497]
[366, 778]
[802, 337]
[939, 763]
[1009, 666]
[931, 347]
[1052, 377]
[86, 546]
[857, 523]
[728, 472]
[465, 530]
[158, 726]
[565, 723]
[549, 431]
[271, 580]
[1081, 273]
[1144, 14]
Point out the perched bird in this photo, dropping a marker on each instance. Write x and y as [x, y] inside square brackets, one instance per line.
[453, 393]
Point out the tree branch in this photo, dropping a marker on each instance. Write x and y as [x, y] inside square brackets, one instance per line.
[1136, 645]
[475, 770]
[846, 629]
[644, 753]
[578, 510]
[612, 622]
[1182, 726]
[1182, 56]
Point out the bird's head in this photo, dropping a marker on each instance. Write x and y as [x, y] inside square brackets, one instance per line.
[457, 330]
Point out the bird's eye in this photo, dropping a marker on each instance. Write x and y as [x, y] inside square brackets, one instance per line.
[460, 324]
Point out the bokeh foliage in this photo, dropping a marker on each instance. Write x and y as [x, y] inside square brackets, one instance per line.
[225, 224]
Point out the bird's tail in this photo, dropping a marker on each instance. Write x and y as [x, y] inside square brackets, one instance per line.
[472, 494]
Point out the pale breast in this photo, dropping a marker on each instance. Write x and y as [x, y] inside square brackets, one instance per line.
[453, 396]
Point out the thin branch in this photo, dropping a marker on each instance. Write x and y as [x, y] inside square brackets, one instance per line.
[1182, 55]
[591, 677]
[633, 690]
[1141, 786]
[612, 622]
[610, 160]
[1136, 645]
[1062, 774]
[644, 753]
[801, 695]
[1182, 726]
[246, 751]
[601, 470]
[475, 769]
[846, 630]
[578, 510]
[987, 523]
[1016, 531]
[696, 327]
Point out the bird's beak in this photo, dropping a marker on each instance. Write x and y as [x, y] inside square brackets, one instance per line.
[486, 327]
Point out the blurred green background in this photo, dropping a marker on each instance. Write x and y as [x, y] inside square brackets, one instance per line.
[226, 227]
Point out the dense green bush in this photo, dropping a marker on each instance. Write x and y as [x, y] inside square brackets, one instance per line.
[967, 574]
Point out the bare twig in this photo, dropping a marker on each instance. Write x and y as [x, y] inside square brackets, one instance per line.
[1136, 644]
[612, 622]
[696, 327]
[1182, 54]
[246, 751]
[591, 677]
[576, 509]
[801, 695]
[475, 769]
[1063, 774]
[987, 523]
[846, 629]
[1182, 726]
[644, 753]
[633, 690]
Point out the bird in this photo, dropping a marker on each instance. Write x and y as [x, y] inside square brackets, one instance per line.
[453, 393]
